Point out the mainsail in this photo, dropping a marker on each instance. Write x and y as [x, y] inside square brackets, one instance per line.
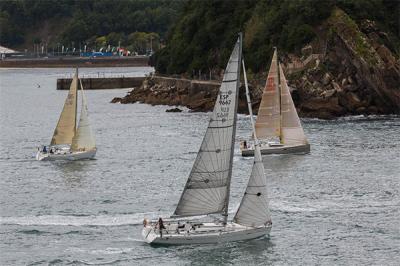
[208, 185]
[84, 138]
[253, 209]
[66, 125]
[268, 118]
[292, 131]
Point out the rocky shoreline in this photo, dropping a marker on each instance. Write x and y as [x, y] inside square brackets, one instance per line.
[347, 70]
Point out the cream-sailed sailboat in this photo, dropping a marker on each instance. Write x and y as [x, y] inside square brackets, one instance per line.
[70, 142]
[278, 126]
[207, 190]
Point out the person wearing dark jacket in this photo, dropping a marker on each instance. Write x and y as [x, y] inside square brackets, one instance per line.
[160, 225]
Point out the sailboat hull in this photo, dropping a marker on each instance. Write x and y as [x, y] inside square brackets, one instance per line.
[207, 233]
[67, 156]
[284, 149]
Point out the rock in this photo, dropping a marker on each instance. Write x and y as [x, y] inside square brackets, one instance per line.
[361, 110]
[174, 110]
[372, 110]
[116, 100]
[306, 50]
[328, 93]
[326, 79]
[350, 101]
[322, 108]
[336, 86]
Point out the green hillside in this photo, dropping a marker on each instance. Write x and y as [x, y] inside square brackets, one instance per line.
[203, 35]
[78, 22]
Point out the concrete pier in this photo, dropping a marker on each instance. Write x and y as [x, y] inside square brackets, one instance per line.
[102, 83]
[128, 61]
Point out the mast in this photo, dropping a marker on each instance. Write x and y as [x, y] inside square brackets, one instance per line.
[226, 207]
[280, 96]
[76, 101]
[249, 104]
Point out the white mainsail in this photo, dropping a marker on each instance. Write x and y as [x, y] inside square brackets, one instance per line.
[292, 131]
[253, 209]
[84, 139]
[208, 185]
[269, 115]
[66, 126]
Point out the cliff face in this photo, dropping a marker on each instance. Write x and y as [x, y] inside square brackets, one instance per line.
[346, 70]
[355, 74]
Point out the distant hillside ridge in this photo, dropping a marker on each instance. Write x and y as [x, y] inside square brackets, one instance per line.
[79, 23]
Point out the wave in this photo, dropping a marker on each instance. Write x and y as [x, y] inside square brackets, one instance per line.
[71, 220]
[285, 207]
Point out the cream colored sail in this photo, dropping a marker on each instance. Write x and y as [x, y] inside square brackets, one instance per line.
[292, 131]
[268, 118]
[84, 139]
[66, 125]
[207, 188]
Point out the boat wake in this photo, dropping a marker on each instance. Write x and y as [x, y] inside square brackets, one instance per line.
[70, 220]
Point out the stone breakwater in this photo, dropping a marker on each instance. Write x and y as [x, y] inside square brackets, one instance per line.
[132, 61]
[197, 95]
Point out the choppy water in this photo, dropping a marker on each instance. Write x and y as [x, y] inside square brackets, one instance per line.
[339, 205]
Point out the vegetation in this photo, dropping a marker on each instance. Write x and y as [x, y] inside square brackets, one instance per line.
[86, 22]
[198, 34]
[203, 36]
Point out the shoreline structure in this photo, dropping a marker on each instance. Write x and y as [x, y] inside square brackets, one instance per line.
[131, 61]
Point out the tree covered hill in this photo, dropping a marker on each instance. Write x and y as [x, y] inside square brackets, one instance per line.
[74, 22]
[203, 35]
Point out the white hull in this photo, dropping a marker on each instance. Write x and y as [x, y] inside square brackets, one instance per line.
[206, 233]
[66, 155]
[284, 149]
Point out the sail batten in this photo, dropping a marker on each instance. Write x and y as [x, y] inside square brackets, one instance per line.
[66, 126]
[207, 188]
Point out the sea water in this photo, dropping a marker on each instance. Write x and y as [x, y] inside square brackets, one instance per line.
[338, 205]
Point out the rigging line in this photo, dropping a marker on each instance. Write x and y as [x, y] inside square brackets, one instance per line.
[214, 171]
[221, 126]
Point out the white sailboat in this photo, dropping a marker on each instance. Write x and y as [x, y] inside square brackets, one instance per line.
[70, 142]
[206, 193]
[278, 126]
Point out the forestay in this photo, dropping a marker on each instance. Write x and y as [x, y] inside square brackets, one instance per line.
[66, 126]
[207, 188]
[292, 131]
[268, 118]
[84, 139]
